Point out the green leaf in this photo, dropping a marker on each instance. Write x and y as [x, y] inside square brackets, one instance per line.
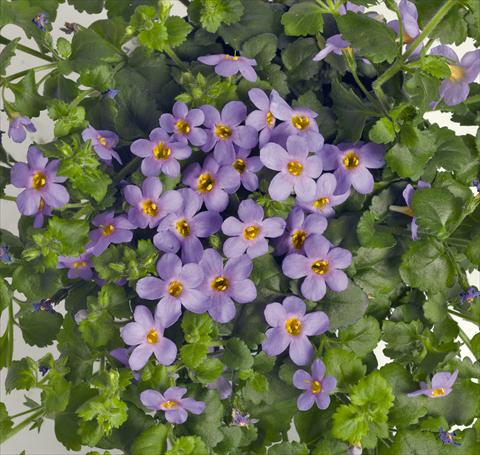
[426, 267]
[414, 442]
[345, 366]
[421, 89]
[99, 77]
[436, 210]
[34, 285]
[237, 356]
[192, 355]
[152, 441]
[114, 299]
[262, 48]
[382, 132]
[27, 100]
[403, 340]
[473, 250]
[6, 423]
[71, 234]
[40, 328]
[98, 329]
[196, 327]
[6, 55]
[188, 445]
[361, 337]
[297, 59]
[372, 236]
[436, 66]
[177, 30]
[303, 19]
[213, 13]
[371, 37]
[372, 391]
[288, 448]
[209, 370]
[348, 424]
[5, 295]
[91, 6]
[22, 375]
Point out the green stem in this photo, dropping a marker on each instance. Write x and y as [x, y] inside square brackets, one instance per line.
[362, 87]
[463, 316]
[9, 198]
[466, 341]
[26, 49]
[130, 167]
[7, 435]
[81, 97]
[171, 53]
[22, 73]
[28, 411]
[395, 68]
[75, 205]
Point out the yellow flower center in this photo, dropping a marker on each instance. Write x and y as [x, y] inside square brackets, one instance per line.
[223, 131]
[270, 119]
[42, 204]
[231, 57]
[102, 140]
[295, 168]
[298, 239]
[251, 232]
[220, 284]
[150, 208]
[407, 39]
[300, 122]
[108, 229]
[316, 387]
[175, 288]
[322, 202]
[239, 165]
[152, 336]
[79, 264]
[183, 228]
[457, 73]
[161, 151]
[351, 160]
[320, 267]
[169, 404]
[348, 51]
[293, 326]
[205, 183]
[438, 392]
[39, 180]
[183, 127]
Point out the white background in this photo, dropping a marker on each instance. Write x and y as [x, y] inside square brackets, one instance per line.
[45, 442]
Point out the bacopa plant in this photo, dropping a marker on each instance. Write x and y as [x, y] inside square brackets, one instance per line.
[240, 211]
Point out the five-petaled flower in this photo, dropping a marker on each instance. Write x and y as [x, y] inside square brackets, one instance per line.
[178, 285]
[351, 163]
[249, 233]
[17, 127]
[247, 166]
[296, 169]
[78, 267]
[41, 183]
[228, 65]
[442, 384]
[448, 438]
[242, 420]
[261, 119]
[103, 142]
[171, 402]
[320, 266]
[146, 333]
[317, 387]
[291, 328]
[149, 205]
[469, 295]
[225, 284]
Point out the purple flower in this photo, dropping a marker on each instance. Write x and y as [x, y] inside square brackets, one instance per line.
[4, 255]
[111, 229]
[224, 285]
[247, 166]
[184, 124]
[296, 121]
[442, 384]
[299, 228]
[469, 295]
[110, 93]
[212, 182]
[43, 369]
[349, 6]
[149, 205]
[40, 21]
[161, 153]
[223, 386]
[183, 228]
[17, 127]
[122, 355]
[317, 387]
[176, 286]
[410, 28]
[146, 333]
[325, 198]
[172, 403]
[228, 65]
[262, 119]
[321, 265]
[43, 211]
[408, 193]
[291, 328]
[456, 88]
[44, 305]
[40, 179]
[355, 449]
[78, 267]
[335, 44]
[224, 130]
[296, 169]
[242, 420]
[351, 163]
[103, 142]
[448, 438]
[476, 184]
[251, 231]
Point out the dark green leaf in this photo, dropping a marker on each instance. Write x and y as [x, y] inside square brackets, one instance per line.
[303, 19]
[152, 441]
[237, 356]
[40, 328]
[6, 55]
[361, 337]
[22, 375]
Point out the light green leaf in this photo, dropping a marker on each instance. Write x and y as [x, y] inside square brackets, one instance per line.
[152, 441]
[303, 19]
